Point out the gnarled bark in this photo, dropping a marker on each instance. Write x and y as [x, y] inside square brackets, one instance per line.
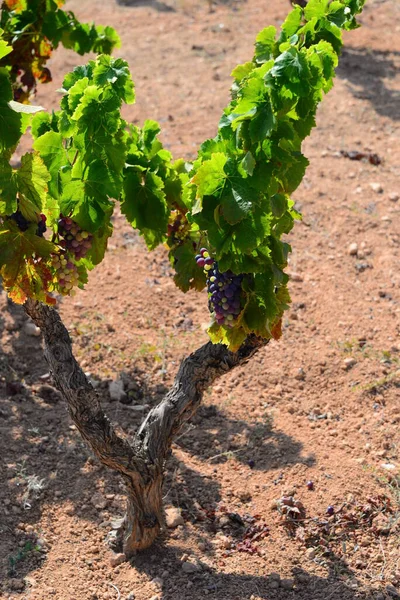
[140, 463]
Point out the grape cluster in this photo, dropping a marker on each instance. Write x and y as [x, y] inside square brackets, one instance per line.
[177, 228]
[23, 223]
[76, 241]
[224, 290]
[66, 274]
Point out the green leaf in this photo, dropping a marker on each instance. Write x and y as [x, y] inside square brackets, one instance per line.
[99, 243]
[32, 183]
[265, 43]
[316, 9]
[237, 200]
[8, 189]
[51, 150]
[108, 70]
[233, 338]
[242, 71]
[187, 274]
[144, 205]
[247, 164]
[4, 47]
[292, 69]
[210, 179]
[12, 124]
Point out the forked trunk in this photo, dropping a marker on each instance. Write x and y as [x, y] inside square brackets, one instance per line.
[141, 463]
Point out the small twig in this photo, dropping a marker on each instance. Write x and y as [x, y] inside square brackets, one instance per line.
[188, 430]
[227, 453]
[116, 589]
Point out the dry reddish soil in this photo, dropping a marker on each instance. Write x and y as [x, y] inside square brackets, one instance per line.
[322, 404]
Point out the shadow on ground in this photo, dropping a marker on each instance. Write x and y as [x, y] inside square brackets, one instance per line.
[339, 584]
[46, 465]
[369, 74]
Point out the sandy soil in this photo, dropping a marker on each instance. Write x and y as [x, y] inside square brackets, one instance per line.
[321, 405]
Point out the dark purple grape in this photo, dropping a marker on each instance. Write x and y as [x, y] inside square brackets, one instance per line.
[224, 290]
[310, 485]
[251, 463]
[330, 510]
[20, 220]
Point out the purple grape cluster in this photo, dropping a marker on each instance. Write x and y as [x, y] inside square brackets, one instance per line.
[76, 241]
[224, 290]
[23, 223]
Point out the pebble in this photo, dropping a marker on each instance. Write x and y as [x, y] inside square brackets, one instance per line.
[158, 582]
[173, 517]
[117, 559]
[376, 187]
[16, 584]
[244, 495]
[31, 329]
[394, 196]
[391, 590]
[131, 596]
[99, 501]
[310, 553]
[296, 277]
[353, 249]
[273, 584]
[189, 567]
[116, 390]
[287, 584]
[348, 363]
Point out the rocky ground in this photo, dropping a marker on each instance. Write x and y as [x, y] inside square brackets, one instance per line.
[314, 417]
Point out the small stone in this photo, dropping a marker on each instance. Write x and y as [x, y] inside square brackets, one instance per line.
[189, 567]
[202, 546]
[224, 541]
[17, 584]
[391, 590]
[116, 390]
[310, 553]
[394, 196]
[296, 277]
[287, 584]
[244, 495]
[382, 524]
[353, 249]
[376, 187]
[131, 596]
[99, 501]
[117, 559]
[300, 374]
[31, 329]
[348, 363]
[156, 597]
[158, 582]
[273, 584]
[173, 517]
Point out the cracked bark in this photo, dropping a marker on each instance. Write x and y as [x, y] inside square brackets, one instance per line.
[140, 463]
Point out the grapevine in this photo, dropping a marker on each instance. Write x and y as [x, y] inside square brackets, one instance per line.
[227, 212]
[35, 28]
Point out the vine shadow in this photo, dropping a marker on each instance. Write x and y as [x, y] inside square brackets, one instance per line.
[369, 71]
[340, 582]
